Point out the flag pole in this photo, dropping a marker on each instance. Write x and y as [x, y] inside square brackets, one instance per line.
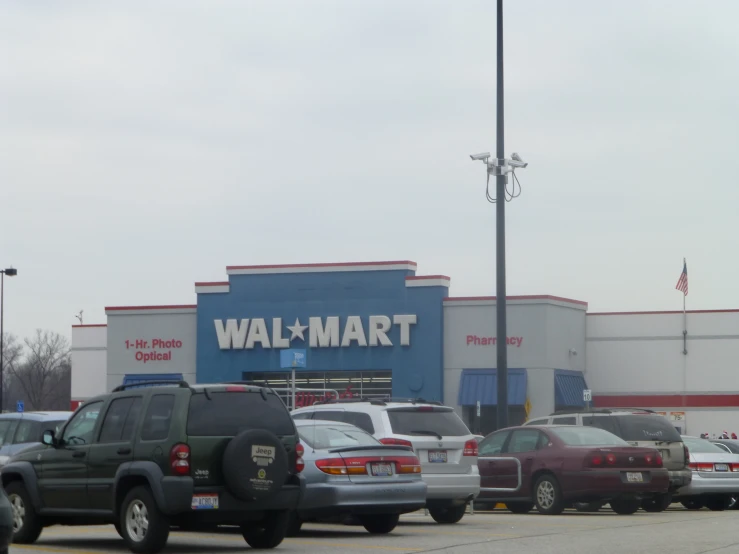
[685, 319]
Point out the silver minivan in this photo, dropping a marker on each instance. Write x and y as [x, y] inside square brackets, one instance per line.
[441, 440]
[21, 430]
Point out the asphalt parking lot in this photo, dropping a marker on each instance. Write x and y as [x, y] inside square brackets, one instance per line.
[675, 531]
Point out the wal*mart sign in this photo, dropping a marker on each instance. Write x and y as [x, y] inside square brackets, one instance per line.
[322, 332]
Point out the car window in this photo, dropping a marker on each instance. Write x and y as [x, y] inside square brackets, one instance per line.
[80, 427]
[647, 428]
[304, 415]
[129, 427]
[4, 427]
[325, 437]
[607, 423]
[523, 440]
[544, 440]
[329, 415]
[26, 432]
[426, 421]
[732, 447]
[115, 419]
[723, 447]
[227, 414]
[158, 417]
[361, 420]
[540, 421]
[493, 444]
[587, 436]
[701, 446]
[564, 420]
[50, 426]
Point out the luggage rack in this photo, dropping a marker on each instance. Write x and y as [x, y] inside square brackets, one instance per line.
[154, 383]
[378, 401]
[601, 411]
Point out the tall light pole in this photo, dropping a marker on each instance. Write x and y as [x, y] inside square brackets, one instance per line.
[10, 272]
[500, 167]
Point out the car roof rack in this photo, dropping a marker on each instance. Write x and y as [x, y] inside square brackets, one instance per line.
[354, 400]
[414, 401]
[156, 382]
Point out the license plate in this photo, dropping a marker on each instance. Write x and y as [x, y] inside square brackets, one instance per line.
[634, 477]
[381, 470]
[437, 456]
[205, 502]
[721, 467]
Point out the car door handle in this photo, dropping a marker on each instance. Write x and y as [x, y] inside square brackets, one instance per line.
[78, 455]
[124, 451]
[529, 459]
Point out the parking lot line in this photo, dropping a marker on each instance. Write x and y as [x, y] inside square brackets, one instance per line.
[56, 550]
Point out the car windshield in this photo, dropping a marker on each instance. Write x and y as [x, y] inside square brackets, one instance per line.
[702, 446]
[587, 436]
[636, 428]
[226, 414]
[322, 437]
[435, 423]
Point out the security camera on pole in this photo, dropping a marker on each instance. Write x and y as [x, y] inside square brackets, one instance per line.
[500, 167]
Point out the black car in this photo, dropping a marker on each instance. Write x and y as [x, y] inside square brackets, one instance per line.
[6, 522]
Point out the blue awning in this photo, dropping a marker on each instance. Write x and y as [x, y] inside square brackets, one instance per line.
[141, 379]
[482, 385]
[568, 388]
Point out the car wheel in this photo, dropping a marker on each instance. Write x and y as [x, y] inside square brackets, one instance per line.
[733, 504]
[588, 507]
[380, 524]
[143, 526]
[519, 507]
[693, 503]
[718, 503]
[269, 532]
[294, 524]
[448, 514]
[27, 525]
[625, 506]
[548, 496]
[658, 503]
[118, 529]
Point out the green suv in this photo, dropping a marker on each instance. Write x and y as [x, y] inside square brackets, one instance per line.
[150, 458]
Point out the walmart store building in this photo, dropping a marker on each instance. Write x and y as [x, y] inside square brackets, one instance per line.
[379, 329]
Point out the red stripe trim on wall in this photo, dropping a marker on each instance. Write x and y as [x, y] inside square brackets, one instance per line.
[667, 401]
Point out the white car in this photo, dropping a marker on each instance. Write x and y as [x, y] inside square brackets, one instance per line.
[441, 440]
[715, 480]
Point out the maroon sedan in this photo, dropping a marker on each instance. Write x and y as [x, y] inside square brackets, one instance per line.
[554, 467]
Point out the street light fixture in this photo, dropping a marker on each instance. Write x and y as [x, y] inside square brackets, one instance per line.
[10, 272]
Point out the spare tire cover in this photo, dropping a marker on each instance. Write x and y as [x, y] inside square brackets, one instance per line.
[254, 464]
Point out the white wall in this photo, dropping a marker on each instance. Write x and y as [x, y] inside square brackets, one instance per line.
[88, 361]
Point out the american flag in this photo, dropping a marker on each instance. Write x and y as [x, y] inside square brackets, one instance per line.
[682, 283]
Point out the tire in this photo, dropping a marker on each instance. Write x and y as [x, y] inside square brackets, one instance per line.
[294, 524]
[625, 506]
[118, 529]
[269, 532]
[693, 503]
[588, 507]
[718, 503]
[656, 504]
[143, 526]
[519, 507]
[733, 503]
[548, 496]
[249, 475]
[27, 525]
[380, 524]
[448, 514]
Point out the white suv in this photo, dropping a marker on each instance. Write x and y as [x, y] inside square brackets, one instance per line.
[441, 440]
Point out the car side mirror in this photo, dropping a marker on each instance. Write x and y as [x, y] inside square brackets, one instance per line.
[48, 438]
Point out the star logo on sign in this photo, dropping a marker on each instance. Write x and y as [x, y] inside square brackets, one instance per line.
[297, 330]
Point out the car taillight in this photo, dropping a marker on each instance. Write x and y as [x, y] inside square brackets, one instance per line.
[299, 463]
[396, 442]
[687, 453]
[596, 460]
[408, 464]
[734, 467]
[470, 448]
[700, 466]
[179, 459]
[235, 388]
[332, 466]
[611, 459]
[653, 459]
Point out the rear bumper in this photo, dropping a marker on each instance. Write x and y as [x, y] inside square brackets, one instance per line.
[680, 478]
[710, 485]
[453, 486]
[603, 483]
[330, 499]
[178, 493]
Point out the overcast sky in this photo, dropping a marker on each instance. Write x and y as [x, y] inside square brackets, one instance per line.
[146, 145]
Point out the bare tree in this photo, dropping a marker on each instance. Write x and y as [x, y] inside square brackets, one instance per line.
[12, 353]
[45, 371]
